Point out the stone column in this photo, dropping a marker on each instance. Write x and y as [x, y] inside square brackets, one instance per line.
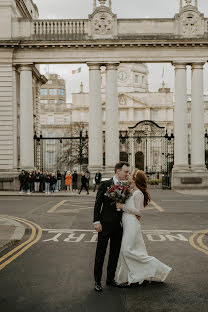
[95, 119]
[197, 119]
[180, 120]
[26, 118]
[14, 79]
[112, 118]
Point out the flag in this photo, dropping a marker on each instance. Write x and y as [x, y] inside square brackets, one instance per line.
[163, 72]
[76, 71]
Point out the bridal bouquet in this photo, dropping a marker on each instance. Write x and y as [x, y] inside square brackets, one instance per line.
[119, 193]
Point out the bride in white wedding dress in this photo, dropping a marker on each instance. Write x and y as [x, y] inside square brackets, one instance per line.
[134, 265]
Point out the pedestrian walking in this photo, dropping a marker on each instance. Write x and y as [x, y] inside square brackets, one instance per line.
[87, 175]
[68, 180]
[74, 180]
[98, 178]
[84, 183]
[42, 183]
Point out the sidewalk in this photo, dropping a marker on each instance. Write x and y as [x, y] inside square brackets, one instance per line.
[11, 232]
[56, 194]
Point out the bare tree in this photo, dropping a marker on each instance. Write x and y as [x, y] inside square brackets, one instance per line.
[75, 150]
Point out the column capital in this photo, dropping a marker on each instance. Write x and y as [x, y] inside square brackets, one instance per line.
[26, 67]
[198, 65]
[179, 65]
[112, 66]
[94, 66]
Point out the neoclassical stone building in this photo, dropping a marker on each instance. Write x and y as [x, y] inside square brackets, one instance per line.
[102, 40]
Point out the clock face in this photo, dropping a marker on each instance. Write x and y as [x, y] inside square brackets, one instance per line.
[122, 75]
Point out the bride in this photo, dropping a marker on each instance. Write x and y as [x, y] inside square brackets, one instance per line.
[134, 265]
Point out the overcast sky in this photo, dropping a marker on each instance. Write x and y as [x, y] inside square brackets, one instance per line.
[124, 9]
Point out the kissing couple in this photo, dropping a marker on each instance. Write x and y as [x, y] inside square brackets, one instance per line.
[128, 261]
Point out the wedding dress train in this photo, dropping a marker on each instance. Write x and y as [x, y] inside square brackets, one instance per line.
[134, 265]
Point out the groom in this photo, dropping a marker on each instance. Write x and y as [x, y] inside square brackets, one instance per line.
[107, 222]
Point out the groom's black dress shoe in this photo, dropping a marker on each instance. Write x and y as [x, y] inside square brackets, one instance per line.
[98, 287]
[111, 283]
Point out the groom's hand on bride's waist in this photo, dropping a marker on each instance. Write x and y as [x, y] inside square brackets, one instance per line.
[138, 217]
[98, 227]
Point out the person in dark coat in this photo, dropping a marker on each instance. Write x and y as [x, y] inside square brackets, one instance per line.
[22, 177]
[31, 179]
[53, 182]
[74, 180]
[58, 183]
[107, 222]
[42, 183]
[84, 183]
[37, 181]
[47, 180]
[98, 177]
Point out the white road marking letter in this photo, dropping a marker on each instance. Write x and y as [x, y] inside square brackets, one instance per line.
[93, 239]
[54, 239]
[156, 237]
[172, 238]
[74, 239]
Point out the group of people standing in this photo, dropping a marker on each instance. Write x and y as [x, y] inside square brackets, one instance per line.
[50, 182]
[37, 181]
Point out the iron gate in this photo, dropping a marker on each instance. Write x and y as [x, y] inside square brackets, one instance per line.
[61, 153]
[148, 146]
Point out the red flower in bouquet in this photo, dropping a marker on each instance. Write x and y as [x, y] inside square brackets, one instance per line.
[119, 193]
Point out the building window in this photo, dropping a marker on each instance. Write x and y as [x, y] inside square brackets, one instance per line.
[52, 92]
[49, 82]
[43, 101]
[139, 115]
[67, 119]
[51, 158]
[123, 115]
[43, 91]
[61, 92]
[136, 79]
[50, 119]
[155, 115]
[52, 101]
[60, 101]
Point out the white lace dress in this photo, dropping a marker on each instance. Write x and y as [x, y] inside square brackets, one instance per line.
[134, 265]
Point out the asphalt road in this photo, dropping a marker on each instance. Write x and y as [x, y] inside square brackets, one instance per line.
[53, 268]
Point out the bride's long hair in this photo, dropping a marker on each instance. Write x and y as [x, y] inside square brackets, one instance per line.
[140, 180]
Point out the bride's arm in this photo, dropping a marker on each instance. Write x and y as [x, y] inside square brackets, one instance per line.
[138, 202]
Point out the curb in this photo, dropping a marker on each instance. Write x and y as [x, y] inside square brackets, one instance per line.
[13, 238]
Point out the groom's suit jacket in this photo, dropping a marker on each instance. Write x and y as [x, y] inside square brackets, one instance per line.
[105, 208]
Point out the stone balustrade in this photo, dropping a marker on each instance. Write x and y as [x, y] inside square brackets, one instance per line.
[59, 28]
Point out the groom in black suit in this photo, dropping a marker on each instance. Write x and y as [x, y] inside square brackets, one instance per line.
[107, 222]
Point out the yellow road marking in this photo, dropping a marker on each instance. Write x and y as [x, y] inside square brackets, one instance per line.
[199, 240]
[56, 206]
[29, 243]
[156, 206]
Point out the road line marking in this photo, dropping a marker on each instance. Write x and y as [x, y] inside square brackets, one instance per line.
[26, 247]
[191, 241]
[56, 206]
[200, 241]
[182, 200]
[156, 206]
[23, 244]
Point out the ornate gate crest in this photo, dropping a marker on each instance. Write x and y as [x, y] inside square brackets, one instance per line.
[102, 23]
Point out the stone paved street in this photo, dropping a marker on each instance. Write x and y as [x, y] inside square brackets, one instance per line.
[51, 269]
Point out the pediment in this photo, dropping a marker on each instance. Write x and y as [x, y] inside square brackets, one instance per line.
[123, 100]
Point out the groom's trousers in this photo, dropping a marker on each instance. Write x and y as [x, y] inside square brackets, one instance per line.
[112, 232]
